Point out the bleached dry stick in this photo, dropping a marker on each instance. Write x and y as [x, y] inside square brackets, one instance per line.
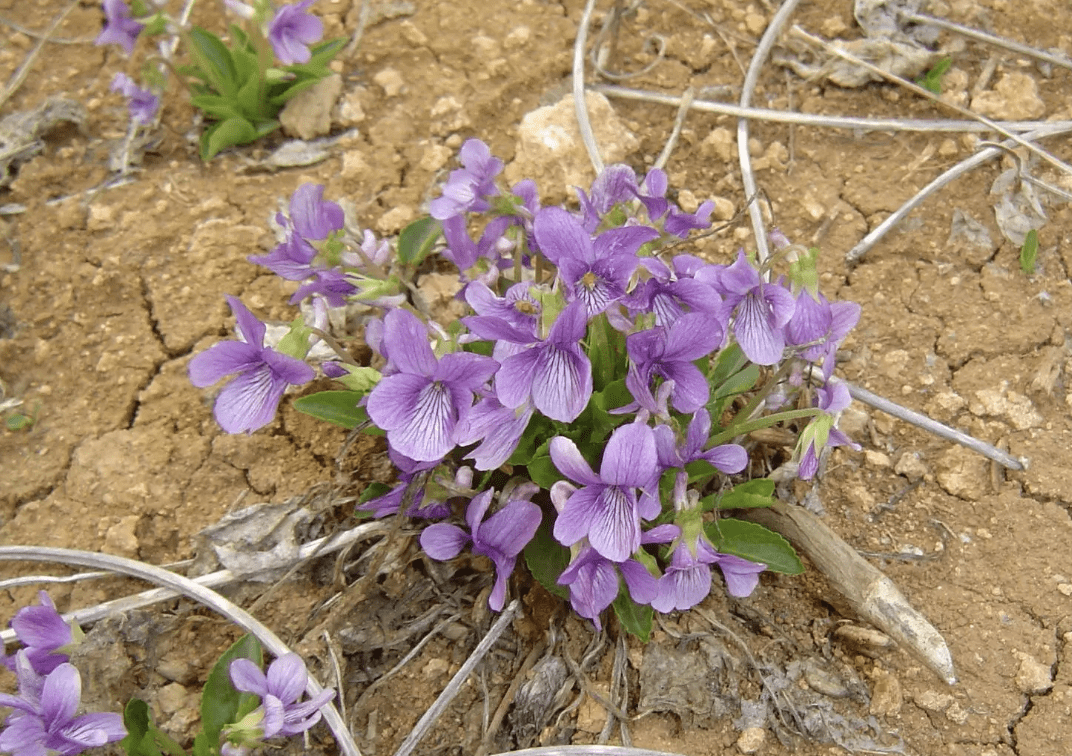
[870, 595]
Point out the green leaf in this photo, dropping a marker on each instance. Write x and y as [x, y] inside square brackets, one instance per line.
[606, 350]
[635, 619]
[143, 737]
[279, 96]
[417, 240]
[221, 704]
[547, 558]
[338, 407]
[1029, 252]
[319, 57]
[360, 379]
[214, 61]
[543, 472]
[932, 80]
[215, 107]
[226, 134]
[754, 543]
[750, 495]
[18, 422]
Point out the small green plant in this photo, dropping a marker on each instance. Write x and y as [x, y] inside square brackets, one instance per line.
[1029, 252]
[17, 421]
[932, 80]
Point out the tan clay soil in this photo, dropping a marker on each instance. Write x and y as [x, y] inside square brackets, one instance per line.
[106, 294]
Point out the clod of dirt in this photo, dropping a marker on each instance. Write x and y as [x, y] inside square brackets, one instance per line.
[1033, 677]
[550, 150]
[308, 115]
[1014, 97]
[962, 473]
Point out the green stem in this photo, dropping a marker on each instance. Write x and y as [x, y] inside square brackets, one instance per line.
[753, 404]
[740, 429]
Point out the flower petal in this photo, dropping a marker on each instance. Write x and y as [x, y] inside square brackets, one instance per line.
[629, 458]
[221, 360]
[569, 461]
[287, 677]
[443, 541]
[248, 677]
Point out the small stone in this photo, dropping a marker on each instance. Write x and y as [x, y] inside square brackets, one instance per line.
[121, 539]
[724, 209]
[390, 81]
[911, 466]
[886, 697]
[948, 148]
[435, 668]
[877, 459]
[1014, 97]
[308, 115]
[1033, 677]
[394, 220]
[100, 217]
[350, 111]
[412, 34]
[719, 143]
[751, 739]
[962, 472]
[755, 22]
[1065, 588]
[687, 201]
[171, 698]
[934, 701]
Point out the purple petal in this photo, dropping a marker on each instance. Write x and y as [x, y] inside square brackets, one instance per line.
[61, 694]
[275, 714]
[643, 586]
[615, 530]
[221, 360]
[569, 461]
[762, 342]
[478, 507]
[742, 576]
[561, 382]
[559, 235]
[690, 387]
[510, 529]
[246, 323]
[569, 326]
[248, 677]
[393, 401]
[313, 218]
[465, 370]
[443, 541]
[407, 338]
[575, 521]
[513, 382]
[94, 730]
[692, 336]
[249, 401]
[428, 432]
[286, 678]
[729, 458]
[629, 458]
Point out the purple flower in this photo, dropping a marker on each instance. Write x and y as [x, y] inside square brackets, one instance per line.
[598, 271]
[43, 719]
[468, 188]
[391, 502]
[821, 432]
[497, 428]
[820, 327]
[669, 353]
[141, 103]
[292, 30]
[554, 374]
[261, 374]
[728, 458]
[615, 185]
[312, 218]
[280, 690]
[606, 509]
[500, 538]
[421, 404]
[687, 580]
[43, 632]
[761, 310]
[593, 583]
[119, 27]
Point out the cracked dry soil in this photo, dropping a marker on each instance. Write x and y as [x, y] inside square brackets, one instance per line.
[114, 290]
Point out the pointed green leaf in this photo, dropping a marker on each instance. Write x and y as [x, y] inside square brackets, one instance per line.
[221, 704]
[635, 619]
[214, 60]
[338, 407]
[546, 558]
[750, 495]
[754, 543]
[1029, 252]
[417, 240]
[226, 134]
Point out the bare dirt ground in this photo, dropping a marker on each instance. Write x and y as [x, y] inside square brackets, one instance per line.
[107, 293]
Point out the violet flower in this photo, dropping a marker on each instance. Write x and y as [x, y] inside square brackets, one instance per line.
[594, 271]
[292, 30]
[468, 188]
[761, 310]
[260, 374]
[312, 218]
[142, 104]
[421, 404]
[43, 719]
[500, 538]
[727, 458]
[496, 427]
[44, 634]
[279, 689]
[669, 353]
[554, 374]
[615, 185]
[119, 27]
[687, 579]
[606, 508]
[593, 583]
[820, 326]
[391, 502]
[822, 432]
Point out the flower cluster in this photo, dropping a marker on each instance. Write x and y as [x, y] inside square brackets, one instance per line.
[589, 344]
[237, 86]
[44, 715]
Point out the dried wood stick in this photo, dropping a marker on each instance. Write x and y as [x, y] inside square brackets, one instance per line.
[870, 594]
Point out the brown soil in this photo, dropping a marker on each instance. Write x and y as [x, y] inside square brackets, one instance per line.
[115, 289]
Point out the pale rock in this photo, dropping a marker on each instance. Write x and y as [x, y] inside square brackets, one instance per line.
[353, 164]
[934, 701]
[1010, 405]
[550, 150]
[121, 538]
[755, 22]
[308, 114]
[434, 157]
[1014, 98]
[911, 466]
[435, 668]
[948, 148]
[394, 220]
[687, 201]
[519, 36]
[945, 405]
[719, 143]
[350, 111]
[412, 34]
[886, 696]
[853, 422]
[449, 115]
[1033, 677]
[724, 209]
[172, 698]
[751, 739]
[877, 459]
[101, 217]
[961, 472]
[390, 81]
[833, 27]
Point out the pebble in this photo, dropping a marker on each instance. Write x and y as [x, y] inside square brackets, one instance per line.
[877, 459]
[308, 114]
[751, 739]
[886, 697]
[390, 81]
[911, 466]
[1033, 677]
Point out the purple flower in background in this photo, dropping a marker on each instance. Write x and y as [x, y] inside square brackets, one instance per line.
[606, 509]
[119, 27]
[555, 374]
[592, 580]
[280, 690]
[421, 404]
[292, 30]
[821, 432]
[467, 188]
[43, 632]
[312, 218]
[615, 185]
[820, 327]
[142, 104]
[761, 310]
[596, 272]
[43, 719]
[500, 538]
[261, 374]
[669, 353]
[687, 579]
[391, 502]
